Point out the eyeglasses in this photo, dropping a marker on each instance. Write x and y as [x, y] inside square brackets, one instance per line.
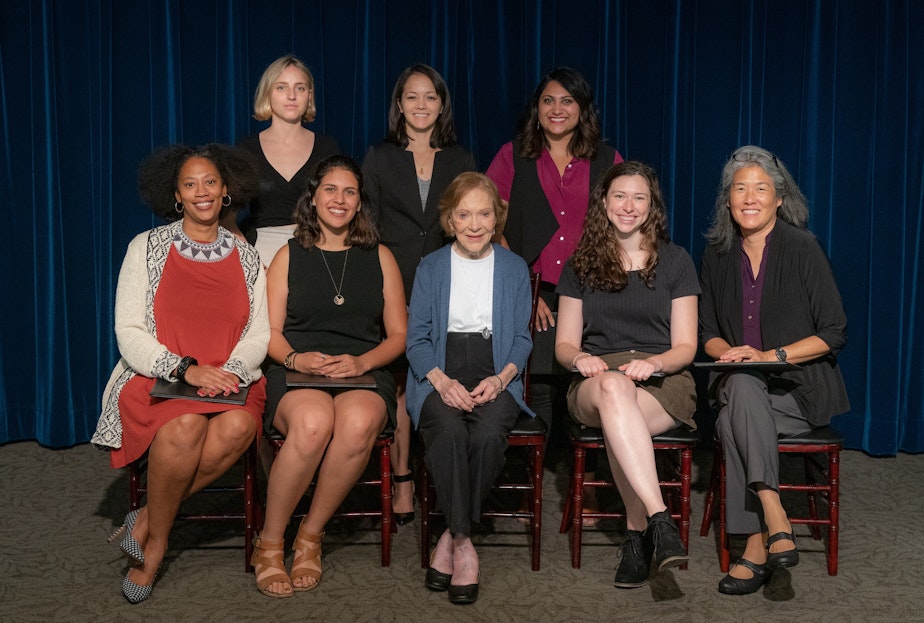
[753, 156]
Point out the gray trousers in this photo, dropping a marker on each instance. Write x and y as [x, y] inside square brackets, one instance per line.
[752, 417]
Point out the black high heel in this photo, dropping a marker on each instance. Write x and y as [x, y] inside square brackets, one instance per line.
[402, 519]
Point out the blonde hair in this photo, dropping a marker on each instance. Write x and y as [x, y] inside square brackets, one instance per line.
[262, 110]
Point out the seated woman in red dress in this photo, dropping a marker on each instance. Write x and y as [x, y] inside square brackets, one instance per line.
[191, 307]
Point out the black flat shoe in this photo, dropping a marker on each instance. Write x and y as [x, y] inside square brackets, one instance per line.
[736, 586]
[403, 519]
[780, 560]
[461, 595]
[437, 580]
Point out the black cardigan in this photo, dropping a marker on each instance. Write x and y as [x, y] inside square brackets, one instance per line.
[800, 299]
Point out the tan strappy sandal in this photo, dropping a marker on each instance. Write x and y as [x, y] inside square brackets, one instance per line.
[307, 562]
[268, 566]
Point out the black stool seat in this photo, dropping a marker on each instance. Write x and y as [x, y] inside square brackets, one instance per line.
[581, 433]
[526, 425]
[824, 436]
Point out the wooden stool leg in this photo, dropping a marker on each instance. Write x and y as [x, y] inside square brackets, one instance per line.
[577, 506]
[834, 504]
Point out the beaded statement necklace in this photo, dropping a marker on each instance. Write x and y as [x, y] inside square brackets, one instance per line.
[204, 251]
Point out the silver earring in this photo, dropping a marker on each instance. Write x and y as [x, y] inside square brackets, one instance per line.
[228, 197]
[178, 207]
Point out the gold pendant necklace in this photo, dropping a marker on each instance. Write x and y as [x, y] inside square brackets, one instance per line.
[338, 299]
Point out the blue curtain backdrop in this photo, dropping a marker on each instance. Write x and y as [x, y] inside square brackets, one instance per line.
[89, 87]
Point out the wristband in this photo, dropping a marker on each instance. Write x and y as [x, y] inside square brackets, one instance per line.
[575, 358]
[501, 382]
[289, 361]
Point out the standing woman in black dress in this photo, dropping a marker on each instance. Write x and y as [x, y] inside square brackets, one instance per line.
[286, 153]
[405, 176]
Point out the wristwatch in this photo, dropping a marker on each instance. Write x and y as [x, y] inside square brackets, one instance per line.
[185, 362]
[780, 354]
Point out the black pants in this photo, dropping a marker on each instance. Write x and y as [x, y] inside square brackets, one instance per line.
[465, 451]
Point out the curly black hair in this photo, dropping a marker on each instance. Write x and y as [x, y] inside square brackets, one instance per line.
[158, 175]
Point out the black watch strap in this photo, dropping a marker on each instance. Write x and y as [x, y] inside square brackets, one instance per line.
[181, 369]
[780, 353]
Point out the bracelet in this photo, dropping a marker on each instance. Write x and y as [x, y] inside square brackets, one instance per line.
[501, 382]
[183, 366]
[575, 358]
[289, 361]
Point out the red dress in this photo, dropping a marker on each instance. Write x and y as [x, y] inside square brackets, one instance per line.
[200, 309]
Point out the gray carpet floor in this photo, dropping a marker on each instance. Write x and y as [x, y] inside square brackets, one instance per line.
[58, 507]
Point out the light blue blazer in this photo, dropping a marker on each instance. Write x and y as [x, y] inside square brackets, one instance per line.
[428, 320]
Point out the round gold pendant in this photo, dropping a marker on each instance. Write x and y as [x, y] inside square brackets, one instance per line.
[338, 300]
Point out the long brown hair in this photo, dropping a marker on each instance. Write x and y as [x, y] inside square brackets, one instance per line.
[598, 261]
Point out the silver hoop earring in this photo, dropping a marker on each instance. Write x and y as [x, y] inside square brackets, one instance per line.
[228, 197]
[178, 207]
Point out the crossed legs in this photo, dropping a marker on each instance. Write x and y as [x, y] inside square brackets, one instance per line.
[629, 417]
[751, 418]
[187, 454]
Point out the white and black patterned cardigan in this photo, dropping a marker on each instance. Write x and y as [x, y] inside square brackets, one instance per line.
[136, 331]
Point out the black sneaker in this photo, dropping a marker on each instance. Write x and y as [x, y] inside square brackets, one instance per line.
[635, 561]
[664, 536]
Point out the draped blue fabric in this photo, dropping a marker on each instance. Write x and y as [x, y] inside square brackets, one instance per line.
[89, 87]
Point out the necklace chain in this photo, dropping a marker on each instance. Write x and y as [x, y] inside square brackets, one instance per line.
[338, 299]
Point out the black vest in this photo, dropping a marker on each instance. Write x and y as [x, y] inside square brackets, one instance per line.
[530, 221]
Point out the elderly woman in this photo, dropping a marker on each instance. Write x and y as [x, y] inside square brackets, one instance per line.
[190, 306]
[768, 295]
[468, 341]
[405, 178]
[287, 153]
[628, 305]
[333, 292]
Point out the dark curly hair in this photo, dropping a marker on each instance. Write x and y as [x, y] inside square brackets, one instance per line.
[158, 175]
[598, 260]
[586, 137]
[444, 132]
[362, 232]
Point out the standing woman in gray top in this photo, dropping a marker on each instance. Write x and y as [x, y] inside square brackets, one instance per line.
[628, 300]
[405, 176]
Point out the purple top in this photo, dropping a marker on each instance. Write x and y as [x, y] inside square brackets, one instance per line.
[752, 290]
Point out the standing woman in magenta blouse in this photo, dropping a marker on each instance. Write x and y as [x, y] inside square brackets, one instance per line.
[287, 153]
[546, 174]
[405, 176]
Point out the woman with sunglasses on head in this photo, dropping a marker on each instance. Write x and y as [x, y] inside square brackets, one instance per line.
[769, 295]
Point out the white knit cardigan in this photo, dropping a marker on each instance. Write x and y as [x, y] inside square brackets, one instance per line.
[136, 330]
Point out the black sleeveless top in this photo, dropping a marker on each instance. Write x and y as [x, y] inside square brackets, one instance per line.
[313, 321]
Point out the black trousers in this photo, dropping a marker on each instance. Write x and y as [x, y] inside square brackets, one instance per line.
[465, 451]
